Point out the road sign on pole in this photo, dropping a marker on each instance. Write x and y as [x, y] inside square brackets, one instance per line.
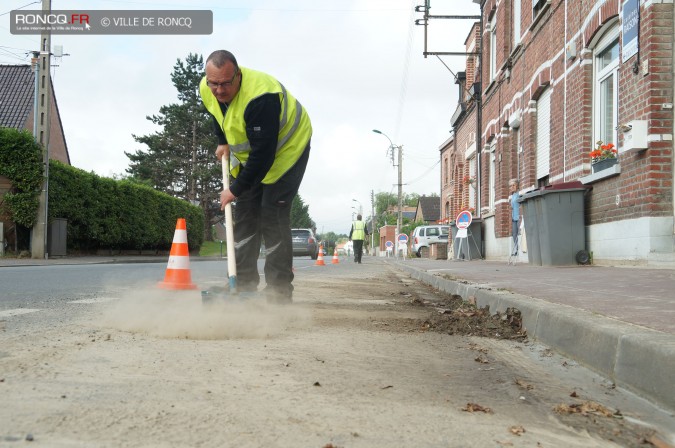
[390, 247]
[464, 219]
[402, 249]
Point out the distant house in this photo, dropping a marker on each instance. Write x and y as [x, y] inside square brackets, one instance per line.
[406, 212]
[428, 209]
[17, 99]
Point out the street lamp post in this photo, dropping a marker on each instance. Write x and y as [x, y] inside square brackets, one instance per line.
[399, 219]
[360, 206]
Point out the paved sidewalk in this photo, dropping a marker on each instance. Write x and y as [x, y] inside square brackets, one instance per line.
[619, 321]
[637, 295]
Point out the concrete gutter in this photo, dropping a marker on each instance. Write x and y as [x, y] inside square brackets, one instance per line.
[633, 357]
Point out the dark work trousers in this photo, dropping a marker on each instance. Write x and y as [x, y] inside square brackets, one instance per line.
[358, 250]
[264, 213]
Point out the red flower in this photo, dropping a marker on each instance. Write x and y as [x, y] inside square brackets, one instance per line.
[602, 152]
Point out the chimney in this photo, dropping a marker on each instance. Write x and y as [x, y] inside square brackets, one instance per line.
[472, 61]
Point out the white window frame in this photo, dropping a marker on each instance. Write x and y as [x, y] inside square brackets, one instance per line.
[472, 189]
[603, 75]
[493, 47]
[516, 22]
[491, 176]
[544, 134]
[538, 6]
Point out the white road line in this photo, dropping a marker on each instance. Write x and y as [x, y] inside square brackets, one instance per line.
[17, 312]
[95, 300]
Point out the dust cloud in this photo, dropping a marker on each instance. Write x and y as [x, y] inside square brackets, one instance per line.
[180, 314]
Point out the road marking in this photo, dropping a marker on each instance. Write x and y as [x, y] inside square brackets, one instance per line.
[17, 312]
[95, 300]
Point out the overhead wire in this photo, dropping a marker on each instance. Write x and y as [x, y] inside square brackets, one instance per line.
[406, 67]
[11, 54]
[20, 7]
[424, 174]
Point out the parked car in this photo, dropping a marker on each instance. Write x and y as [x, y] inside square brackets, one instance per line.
[304, 243]
[423, 236]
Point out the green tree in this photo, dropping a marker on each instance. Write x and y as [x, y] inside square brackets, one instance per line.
[386, 205]
[300, 215]
[179, 159]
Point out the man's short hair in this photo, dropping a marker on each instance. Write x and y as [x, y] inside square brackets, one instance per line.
[514, 182]
[220, 57]
[358, 217]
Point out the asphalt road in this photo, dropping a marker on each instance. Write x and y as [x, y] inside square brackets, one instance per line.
[101, 357]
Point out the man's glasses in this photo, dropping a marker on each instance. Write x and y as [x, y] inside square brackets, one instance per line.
[215, 85]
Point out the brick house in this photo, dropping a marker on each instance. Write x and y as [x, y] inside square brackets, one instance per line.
[557, 77]
[17, 94]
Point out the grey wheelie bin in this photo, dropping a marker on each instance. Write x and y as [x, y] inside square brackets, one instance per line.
[531, 212]
[472, 246]
[554, 225]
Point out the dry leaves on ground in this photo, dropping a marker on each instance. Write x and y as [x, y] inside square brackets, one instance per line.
[517, 430]
[586, 408]
[523, 385]
[474, 407]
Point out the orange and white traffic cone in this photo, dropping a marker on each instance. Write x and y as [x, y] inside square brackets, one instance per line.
[319, 258]
[178, 269]
[336, 260]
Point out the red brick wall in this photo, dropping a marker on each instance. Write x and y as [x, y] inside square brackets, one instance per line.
[57, 141]
[644, 186]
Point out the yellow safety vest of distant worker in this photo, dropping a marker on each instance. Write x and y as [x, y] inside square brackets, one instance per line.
[359, 232]
[295, 128]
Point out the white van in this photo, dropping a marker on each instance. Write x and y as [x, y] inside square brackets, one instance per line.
[423, 236]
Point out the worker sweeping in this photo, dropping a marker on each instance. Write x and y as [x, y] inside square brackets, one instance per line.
[265, 134]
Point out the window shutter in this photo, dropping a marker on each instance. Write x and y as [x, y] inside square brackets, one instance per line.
[544, 134]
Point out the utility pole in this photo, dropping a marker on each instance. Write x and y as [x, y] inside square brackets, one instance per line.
[41, 117]
[372, 222]
[399, 219]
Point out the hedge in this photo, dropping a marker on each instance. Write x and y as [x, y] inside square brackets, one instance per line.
[21, 163]
[104, 213]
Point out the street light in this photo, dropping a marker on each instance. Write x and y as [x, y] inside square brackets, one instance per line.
[399, 219]
[360, 206]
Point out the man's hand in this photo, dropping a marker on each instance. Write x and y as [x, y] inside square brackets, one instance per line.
[226, 197]
[223, 150]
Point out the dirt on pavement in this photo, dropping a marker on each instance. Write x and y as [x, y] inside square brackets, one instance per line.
[361, 359]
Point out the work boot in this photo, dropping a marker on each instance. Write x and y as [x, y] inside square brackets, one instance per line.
[278, 297]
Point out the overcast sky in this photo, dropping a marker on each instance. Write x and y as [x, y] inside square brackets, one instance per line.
[356, 65]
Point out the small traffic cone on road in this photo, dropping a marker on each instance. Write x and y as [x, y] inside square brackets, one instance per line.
[319, 258]
[336, 260]
[178, 269]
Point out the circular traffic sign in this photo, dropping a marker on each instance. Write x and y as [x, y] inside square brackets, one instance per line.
[402, 238]
[463, 220]
[389, 244]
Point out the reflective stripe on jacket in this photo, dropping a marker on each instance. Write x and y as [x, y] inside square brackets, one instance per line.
[295, 128]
